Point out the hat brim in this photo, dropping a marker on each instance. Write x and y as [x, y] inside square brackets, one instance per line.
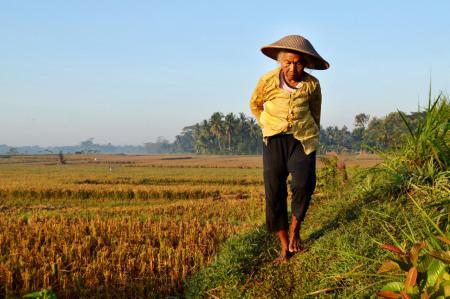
[316, 63]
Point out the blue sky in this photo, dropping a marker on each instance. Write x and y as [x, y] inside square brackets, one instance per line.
[127, 72]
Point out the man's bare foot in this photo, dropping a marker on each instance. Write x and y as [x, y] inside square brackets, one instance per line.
[295, 243]
[283, 258]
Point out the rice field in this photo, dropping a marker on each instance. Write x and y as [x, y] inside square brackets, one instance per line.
[120, 226]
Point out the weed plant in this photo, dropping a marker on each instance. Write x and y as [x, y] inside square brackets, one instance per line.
[420, 171]
[425, 157]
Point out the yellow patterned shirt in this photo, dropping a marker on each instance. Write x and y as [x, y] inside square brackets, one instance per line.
[277, 110]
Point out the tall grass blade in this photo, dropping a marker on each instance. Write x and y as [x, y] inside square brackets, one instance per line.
[411, 233]
[406, 123]
[427, 217]
[4, 257]
[392, 238]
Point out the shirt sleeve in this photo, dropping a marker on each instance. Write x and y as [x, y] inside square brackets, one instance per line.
[315, 104]
[257, 100]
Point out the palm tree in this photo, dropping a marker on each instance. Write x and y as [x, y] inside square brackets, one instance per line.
[198, 144]
[204, 139]
[229, 125]
[330, 135]
[253, 127]
[205, 127]
[216, 126]
[242, 118]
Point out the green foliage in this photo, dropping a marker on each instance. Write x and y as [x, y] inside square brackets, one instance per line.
[425, 157]
[331, 177]
[229, 134]
[426, 265]
[431, 140]
[12, 151]
[240, 258]
[44, 294]
[421, 166]
[361, 120]
[381, 133]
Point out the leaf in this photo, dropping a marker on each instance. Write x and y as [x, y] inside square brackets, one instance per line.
[405, 296]
[413, 290]
[402, 261]
[436, 270]
[395, 286]
[424, 263]
[413, 255]
[388, 266]
[388, 294]
[393, 248]
[424, 294]
[443, 239]
[33, 295]
[406, 123]
[444, 289]
[411, 277]
[443, 256]
[396, 244]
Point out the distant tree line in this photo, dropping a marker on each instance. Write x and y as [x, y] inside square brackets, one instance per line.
[239, 134]
[231, 134]
[84, 147]
[221, 134]
[380, 133]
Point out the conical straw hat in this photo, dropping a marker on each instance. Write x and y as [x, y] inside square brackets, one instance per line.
[300, 44]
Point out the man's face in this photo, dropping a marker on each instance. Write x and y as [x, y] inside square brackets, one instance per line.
[292, 66]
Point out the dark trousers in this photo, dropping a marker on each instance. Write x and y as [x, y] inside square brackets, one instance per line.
[283, 154]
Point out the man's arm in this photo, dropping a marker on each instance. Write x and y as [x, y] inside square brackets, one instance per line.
[257, 100]
[315, 104]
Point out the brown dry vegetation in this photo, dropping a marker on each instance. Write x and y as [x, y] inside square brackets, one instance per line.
[137, 231]
[175, 160]
[114, 256]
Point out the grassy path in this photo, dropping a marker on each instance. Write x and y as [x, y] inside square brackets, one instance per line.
[244, 267]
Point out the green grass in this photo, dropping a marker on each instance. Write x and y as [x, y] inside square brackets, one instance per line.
[403, 201]
[343, 238]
